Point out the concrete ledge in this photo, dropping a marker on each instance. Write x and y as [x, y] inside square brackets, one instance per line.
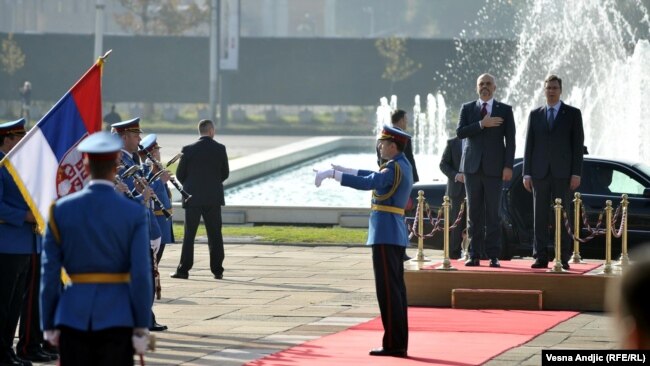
[342, 216]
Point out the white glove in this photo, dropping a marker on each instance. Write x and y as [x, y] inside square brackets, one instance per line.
[322, 175]
[345, 170]
[140, 340]
[155, 244]
[52, 336]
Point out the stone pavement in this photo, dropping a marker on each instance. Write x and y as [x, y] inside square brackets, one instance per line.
[276, 296]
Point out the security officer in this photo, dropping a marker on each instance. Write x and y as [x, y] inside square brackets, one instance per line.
[18, 242]
[129, 131]
[96, 319]
[387, 234]
[149, 145]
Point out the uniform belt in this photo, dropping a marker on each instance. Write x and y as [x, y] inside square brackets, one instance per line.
[100, 277]
[160, 212]
[391, 209]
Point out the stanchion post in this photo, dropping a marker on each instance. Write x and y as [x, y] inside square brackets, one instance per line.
[607, 270]
[465, 243]
[577, 203]
[557, 267]
[420, 217]
[446, 263]
[624, 260]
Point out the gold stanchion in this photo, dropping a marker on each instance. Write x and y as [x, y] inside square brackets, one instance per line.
[420, 217]
[465, 244]
[607, 270]
[577, 203]
[624, 260]
[557, 268]
[446, 264]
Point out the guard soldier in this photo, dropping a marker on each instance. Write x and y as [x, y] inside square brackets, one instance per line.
[104, 313]
[149, 146]
[387, 234]
[129, 131]
[18, 241]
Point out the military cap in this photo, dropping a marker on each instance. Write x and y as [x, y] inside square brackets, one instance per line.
[132, 125]
[101, 146]
[395, 134]
[149, 142]
[13, 128]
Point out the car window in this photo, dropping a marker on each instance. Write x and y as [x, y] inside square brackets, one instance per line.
[623, 183]
[611, 179]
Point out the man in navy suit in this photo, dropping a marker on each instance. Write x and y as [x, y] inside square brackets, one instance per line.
[101, 239]
[488, 155]
[450, 166]
[552, 163]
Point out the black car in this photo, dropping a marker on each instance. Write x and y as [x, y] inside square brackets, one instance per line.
[602, 179]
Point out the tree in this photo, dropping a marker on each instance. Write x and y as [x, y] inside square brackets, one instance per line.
[162, 17]
[398, 65]
[12, 57]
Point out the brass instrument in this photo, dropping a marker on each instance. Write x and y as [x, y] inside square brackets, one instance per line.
[172, 178]
[134, 171]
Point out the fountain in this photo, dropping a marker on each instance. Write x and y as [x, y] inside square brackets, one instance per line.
[596, 47]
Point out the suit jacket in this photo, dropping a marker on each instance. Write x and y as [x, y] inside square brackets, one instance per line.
[450, 166]
[96, 230]
[385, 227]
[492, 148]
[556, 151]
[202, 170]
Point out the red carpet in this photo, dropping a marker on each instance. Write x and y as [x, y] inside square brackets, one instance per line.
[448, 337]
[517, 265]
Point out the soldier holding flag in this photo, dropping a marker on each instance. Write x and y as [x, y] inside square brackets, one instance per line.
[105, 312]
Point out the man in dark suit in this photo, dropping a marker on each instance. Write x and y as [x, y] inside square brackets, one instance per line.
[450, 166]
[488, 155]
[552, 163]
[202, 170]
[399, 120]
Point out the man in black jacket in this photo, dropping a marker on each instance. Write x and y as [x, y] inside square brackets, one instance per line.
[202, 170]
[450, 166]
[552, 164]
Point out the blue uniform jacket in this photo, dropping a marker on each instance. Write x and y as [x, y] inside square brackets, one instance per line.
[16, 235]
[127, 161]
[100, 231]
[165, 225]
[385, 227]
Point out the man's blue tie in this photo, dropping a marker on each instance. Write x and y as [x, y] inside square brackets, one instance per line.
[551, 117]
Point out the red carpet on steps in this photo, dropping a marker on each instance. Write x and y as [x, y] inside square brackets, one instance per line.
[517, 265]
[451, 337]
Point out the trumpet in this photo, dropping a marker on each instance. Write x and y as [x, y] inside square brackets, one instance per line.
[172, 178]
[134, 171]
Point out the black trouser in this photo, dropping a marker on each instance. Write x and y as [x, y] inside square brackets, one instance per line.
[484, 197]
[388, 266]
[212, 220]
[109, 347]
[30, 336]
[545, 191]
[456, 235]
[13, 276]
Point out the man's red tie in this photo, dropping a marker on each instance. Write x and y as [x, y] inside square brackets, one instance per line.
[484, 110]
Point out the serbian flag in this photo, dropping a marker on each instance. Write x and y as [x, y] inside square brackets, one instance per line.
[45, 164]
